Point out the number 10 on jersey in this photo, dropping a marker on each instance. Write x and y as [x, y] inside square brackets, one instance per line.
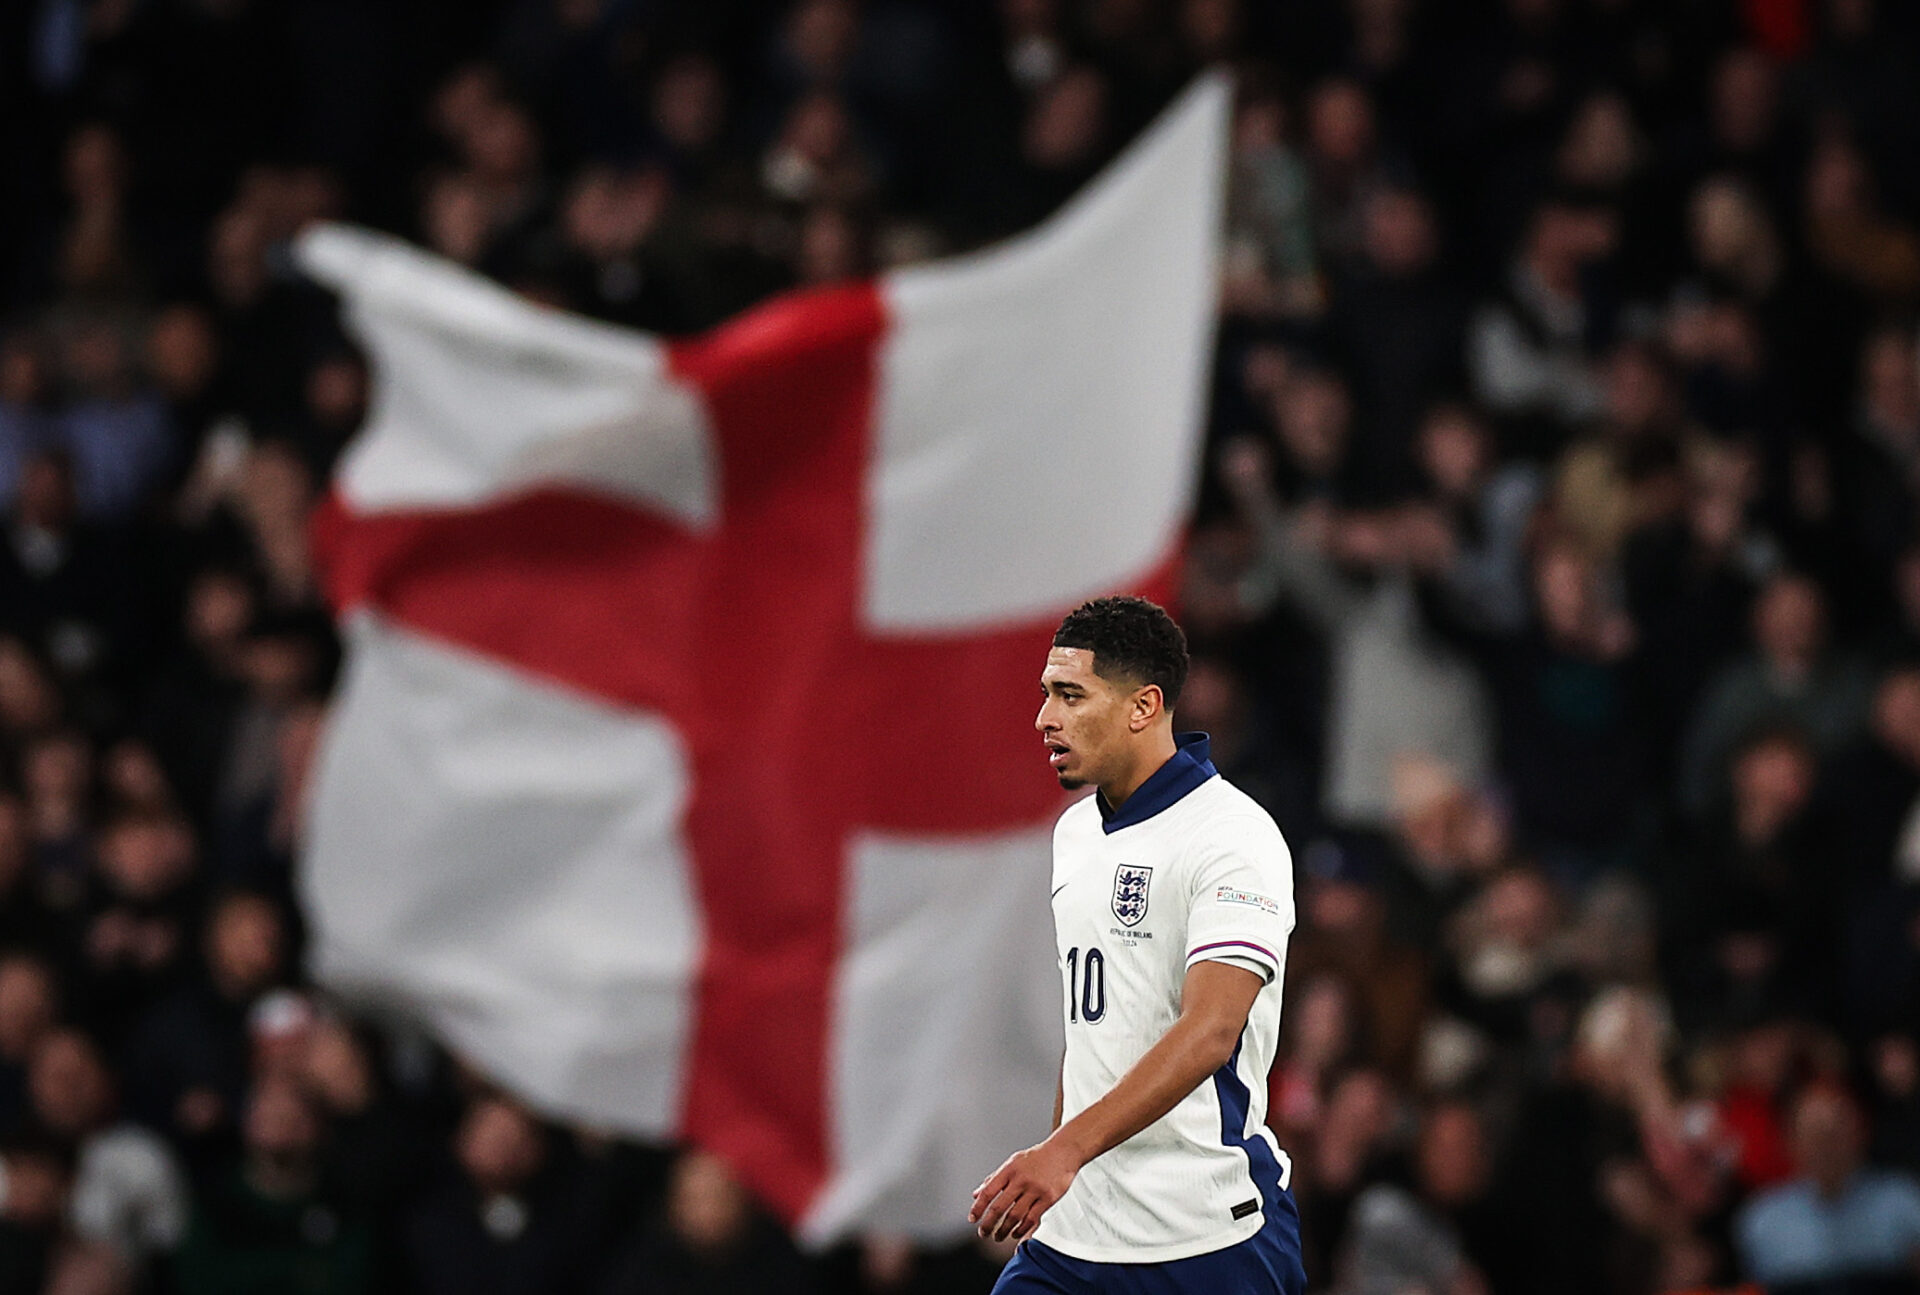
[1086, 986]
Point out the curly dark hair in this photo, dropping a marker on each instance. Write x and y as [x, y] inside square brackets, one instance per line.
[1130, 638]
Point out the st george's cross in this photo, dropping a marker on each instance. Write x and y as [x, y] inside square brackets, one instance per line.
[682, 777]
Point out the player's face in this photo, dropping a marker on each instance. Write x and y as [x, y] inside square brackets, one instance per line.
[1083, 720]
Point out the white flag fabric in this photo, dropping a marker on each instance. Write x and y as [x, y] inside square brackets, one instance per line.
[682, 775]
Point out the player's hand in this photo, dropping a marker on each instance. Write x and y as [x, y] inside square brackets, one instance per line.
[1009, 1204]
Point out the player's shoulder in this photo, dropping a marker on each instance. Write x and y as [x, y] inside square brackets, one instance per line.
[1222, 808]
[1080, 815]
[1076, 835]
[1077, 822]
[1222, 817]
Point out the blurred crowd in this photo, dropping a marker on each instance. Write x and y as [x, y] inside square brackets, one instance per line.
[1556, 584]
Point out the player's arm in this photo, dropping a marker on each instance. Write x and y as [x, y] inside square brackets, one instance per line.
[1214, 1001]
[1059, 1092]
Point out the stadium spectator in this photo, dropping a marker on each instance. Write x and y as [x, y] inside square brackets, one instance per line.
[112, 427]
[35, 1178]
[1764, 911]
[129, 1195]
[1344, 933]
[1894, 1061]
[1576, 1182]
[188, 1054]
[26, 921]
[1272, 261]
[1564, 695]
[1510, 967]
[1398, 322]
[714, 1240]
[63, 581]
[29, 1008]
[1397, 691]
[1355, 1135]
[1794, 676]
[1346, 165]
[1535, 347]
[1487, 508]
[1416, 1237]
[1838, 1224]
[270, 1221]
[374, 1150]
[23, 413]
[509, 1223]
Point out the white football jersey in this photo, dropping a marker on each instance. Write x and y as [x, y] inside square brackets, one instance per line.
[1190, 869]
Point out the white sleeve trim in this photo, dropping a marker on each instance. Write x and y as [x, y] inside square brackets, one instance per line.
[1256, 958]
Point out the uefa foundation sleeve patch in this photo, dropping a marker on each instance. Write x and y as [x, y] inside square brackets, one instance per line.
[1231, 895]
[1242, 905]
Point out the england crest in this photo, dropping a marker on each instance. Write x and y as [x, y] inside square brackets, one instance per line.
[1130, 893]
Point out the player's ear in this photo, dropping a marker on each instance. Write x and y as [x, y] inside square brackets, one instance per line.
[1149, 703]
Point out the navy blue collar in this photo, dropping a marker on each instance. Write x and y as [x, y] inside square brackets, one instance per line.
[1185, 769]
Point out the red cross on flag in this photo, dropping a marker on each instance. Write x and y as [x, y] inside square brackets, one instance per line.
[683, 774]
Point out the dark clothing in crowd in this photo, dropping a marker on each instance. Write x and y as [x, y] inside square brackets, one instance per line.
[503, 1245]
[243, 1240]
[762, 1260]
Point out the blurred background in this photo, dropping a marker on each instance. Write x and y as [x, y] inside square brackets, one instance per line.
[1555, 583]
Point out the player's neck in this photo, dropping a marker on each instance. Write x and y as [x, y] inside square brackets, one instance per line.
[1153, 753]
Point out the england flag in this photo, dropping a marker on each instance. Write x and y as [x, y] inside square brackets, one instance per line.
[683, 775]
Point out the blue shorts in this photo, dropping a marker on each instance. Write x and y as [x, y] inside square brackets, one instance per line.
[1266, 1263]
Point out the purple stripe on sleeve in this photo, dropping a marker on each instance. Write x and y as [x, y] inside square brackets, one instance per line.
[1235, 944]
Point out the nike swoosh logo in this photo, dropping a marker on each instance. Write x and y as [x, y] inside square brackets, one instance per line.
[1057, 889]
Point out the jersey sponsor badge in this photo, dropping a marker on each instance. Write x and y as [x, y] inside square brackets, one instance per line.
[1130, 893]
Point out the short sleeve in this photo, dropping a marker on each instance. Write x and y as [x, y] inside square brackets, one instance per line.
[1257, 966]
[1242, 906]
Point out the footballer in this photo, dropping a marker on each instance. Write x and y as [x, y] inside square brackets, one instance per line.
[1172, 904]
